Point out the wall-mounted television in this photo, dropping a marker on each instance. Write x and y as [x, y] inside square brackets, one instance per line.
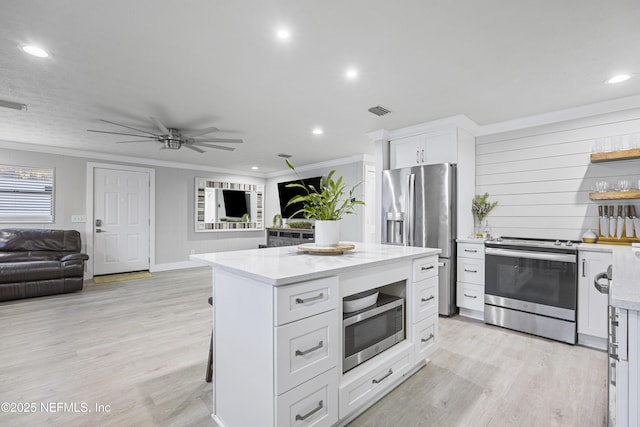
[286, 193]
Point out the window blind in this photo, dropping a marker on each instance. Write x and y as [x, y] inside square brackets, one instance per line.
[26, 194]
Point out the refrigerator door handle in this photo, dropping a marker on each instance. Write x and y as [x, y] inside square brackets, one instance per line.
[411, 210]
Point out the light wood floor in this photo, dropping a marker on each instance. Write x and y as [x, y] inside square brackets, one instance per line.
[141, 347]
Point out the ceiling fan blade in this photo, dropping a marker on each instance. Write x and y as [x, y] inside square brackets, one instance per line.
[151, 138]
[225, 140]
[128, 127]
[137, 140]
[194, 133]
[191, 147]
[218, 147]
[160, 126]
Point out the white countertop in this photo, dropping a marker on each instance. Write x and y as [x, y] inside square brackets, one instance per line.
[625, 286]
[285, 265]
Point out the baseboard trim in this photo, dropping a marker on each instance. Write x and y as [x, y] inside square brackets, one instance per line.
[175, 266]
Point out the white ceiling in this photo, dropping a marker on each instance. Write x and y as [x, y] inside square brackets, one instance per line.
[200, 63]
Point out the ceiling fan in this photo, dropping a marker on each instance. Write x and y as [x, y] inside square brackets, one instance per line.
[174, 139]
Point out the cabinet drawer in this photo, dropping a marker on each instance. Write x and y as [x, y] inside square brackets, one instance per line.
[470, 296]
[369, 385]
[314, 403]
[471, 270]
[425, 300]
[426, 337]
[300, 300]
[471, 250]
[305, 349]
[425, 268]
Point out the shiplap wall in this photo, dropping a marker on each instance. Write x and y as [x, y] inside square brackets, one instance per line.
[541, 177]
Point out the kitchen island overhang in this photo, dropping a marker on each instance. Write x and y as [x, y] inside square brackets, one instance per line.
[278, 333]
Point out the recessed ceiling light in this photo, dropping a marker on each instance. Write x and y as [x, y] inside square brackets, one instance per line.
[317, 131]
[255, 168]
[619, 78]
[351, 73]
[283, 34]
[35, 51]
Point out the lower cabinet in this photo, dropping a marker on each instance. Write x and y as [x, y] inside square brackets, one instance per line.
[470, 282]
[368, 386]
[592, 305]
[426, 337]
[313, 403]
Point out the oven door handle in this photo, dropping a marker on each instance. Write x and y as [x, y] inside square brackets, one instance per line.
[546, 256]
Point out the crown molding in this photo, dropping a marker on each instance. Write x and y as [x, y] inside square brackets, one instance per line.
[328, 164]
[573, 113]
[94, 155]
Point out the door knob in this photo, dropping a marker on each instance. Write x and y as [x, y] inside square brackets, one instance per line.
[98, 230]
[98, 222]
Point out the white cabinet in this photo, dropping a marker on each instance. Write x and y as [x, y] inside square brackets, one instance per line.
[425, 149]
[592, 305]
[470, 282]
[424, 313]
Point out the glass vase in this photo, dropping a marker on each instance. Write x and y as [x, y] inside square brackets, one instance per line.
[477, 228]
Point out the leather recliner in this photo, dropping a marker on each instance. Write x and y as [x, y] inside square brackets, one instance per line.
[35, 262]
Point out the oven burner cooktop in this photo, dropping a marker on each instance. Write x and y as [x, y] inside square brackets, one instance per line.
[546, 245]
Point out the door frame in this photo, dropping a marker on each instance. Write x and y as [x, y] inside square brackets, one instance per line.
[91, 166]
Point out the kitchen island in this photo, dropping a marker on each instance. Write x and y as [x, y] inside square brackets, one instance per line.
[278, 331]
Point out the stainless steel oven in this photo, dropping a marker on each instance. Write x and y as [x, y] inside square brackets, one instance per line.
[372, 330]
[531, 285]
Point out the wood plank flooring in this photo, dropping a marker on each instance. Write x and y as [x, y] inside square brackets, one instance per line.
[141, 348]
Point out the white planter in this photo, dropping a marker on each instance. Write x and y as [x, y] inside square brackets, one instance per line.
[327, 233]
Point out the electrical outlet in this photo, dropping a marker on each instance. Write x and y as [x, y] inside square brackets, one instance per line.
[193, 251]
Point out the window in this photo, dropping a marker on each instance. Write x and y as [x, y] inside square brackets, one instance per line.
[26, 194]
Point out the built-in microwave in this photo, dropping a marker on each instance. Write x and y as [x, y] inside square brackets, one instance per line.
[372, 330]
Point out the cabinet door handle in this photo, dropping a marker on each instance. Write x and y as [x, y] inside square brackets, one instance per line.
[303, 352]
[473, 251]
[375, 381]
[471, 296]
[422, 155]
[306, 300]
[584, 273]
[417, 157]
[429, 338]
[427, 299]
[308, 414]
[423, 268]
[470, 271]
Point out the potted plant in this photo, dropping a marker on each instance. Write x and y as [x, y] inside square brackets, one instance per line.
[480, 206]
[326, 205]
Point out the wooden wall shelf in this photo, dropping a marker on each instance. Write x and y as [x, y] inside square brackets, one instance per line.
[616, 155]
[615, 195]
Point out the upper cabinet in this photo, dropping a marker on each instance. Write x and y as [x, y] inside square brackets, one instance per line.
[424, 149]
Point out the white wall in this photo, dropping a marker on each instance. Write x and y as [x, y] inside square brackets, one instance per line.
[351, 227]
[174, 210]
[541, 176]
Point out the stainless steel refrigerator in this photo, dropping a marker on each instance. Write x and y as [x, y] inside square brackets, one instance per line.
[419, 209]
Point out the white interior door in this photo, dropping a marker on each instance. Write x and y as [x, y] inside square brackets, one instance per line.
[121, 221]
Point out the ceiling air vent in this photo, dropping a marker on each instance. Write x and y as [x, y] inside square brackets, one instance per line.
[379, 110]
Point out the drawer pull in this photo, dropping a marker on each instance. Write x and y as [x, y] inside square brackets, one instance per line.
[306, 300]
[375, 381]
[423, 268]
[470, 296]
[303, 352]
[427, 299]
[308, 414]
[429, 338]
[473, 251]
[470, 271]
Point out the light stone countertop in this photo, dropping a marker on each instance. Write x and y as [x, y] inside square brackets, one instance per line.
[285, 265]
[625, 286]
